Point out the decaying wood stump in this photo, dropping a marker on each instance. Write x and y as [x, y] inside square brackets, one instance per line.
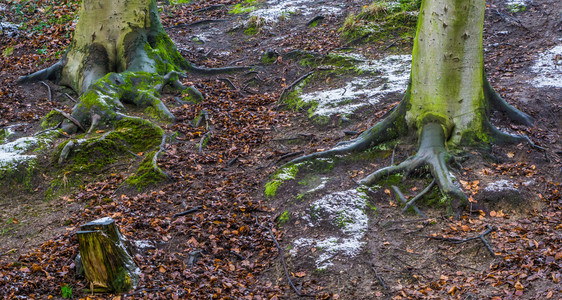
[107, 263]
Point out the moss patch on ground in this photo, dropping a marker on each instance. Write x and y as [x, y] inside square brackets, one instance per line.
[381, 21]
[147, 174]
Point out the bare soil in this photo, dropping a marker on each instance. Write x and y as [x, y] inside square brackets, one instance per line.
[397, 259]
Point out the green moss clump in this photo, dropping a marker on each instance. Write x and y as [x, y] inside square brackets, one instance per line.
[286, 173]
[147, 174]
[381, 21]
[516, 7]
[52, 119]
[192, 95]
[283, 218]
[243, 8]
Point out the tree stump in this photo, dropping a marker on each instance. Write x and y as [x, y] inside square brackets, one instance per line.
[107, 263]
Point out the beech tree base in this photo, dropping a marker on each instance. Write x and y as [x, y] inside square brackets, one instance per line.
[432, 151]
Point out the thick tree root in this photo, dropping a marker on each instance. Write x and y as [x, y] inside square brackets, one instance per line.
[432, 153]
[497, 102]
[51, 73]
[385, 130]
[500, 137]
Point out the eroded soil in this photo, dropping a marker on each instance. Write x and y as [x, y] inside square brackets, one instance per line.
[376, 251]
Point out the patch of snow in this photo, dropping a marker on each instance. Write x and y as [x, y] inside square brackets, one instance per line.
[12, 153]
[101, 221]
[516, 2]
[322, 185]
[500, 185]
[345, 211]
[9, 29]
[389, 75]
[144, 244]
[548, 66]
[274, 9]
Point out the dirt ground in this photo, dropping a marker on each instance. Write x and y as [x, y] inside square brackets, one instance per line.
[398, 255]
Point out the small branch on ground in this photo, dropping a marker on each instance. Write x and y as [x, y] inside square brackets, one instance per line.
[283, 261]
[49, 89]
[227, 81]
[288, 89]
[70, 97]
[200, 22]
[187, 212]
[212, 7]
[71, 118]
[48, 129]
[381, 281]
[237, 255]
[418, 196]
[459, 241]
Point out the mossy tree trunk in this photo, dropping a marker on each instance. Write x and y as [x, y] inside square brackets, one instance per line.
[119, 54]
[448, 99]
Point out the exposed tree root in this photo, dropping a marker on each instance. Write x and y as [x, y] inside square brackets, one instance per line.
[385, 130]
[403, 200]
[432, 152]
[51, 73]
[497, 102]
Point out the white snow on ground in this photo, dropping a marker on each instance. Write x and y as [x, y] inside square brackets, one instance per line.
[345, 211]
[500, 185]
[274, 9]
[392, 73]
[9, 29]
[322, 185]
[548, 67]
[12, 153]
[516, 2]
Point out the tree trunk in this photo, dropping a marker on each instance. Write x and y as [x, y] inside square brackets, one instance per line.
[120, 53]
[106, 262]
[447, 69]
[448, 99]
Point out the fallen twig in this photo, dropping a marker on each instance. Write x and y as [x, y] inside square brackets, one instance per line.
[381, 281]
[49, 89]
[283, 261]
[459, 241]
[71, 118]
[187, 212]
[292, 85]
[212, 7]
[48, 129]
[70, 97]
[237, 255]
[227, 81]
[200, 22]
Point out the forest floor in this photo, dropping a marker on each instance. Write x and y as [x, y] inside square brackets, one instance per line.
[337, 242]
